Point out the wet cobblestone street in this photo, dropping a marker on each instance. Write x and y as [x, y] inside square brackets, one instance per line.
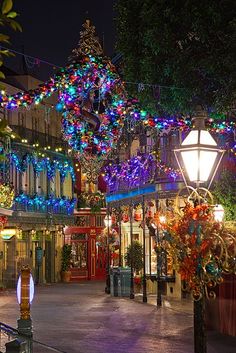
[81, 318]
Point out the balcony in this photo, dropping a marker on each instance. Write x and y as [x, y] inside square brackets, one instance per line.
[139, 171]
[38, 137]
[42, 204]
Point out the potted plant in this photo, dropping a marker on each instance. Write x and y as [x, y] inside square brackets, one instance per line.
[136, 253]
[65, 263]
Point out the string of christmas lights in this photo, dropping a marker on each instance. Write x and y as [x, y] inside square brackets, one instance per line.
[218, 123]
[137, 171]
[94, 105]
[42, 164]
[92, 102]
[42, 203]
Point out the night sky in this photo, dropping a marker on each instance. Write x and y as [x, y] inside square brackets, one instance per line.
[51, 30]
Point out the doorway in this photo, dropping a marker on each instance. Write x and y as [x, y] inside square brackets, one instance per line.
[79, 251]
[48, 261]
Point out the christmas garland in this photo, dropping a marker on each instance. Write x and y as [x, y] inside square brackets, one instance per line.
[95, 201]
[201, 248]
[92, 103]
[41, 164]
[3, 221]
[217, 123]
[42, 203]
[6, 196]
[137, 171]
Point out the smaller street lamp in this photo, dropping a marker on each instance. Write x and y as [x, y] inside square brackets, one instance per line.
[108, 221]
[162, 219]
[25, 296]
[218, 212]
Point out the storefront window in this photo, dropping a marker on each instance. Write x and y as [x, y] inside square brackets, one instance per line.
[79, 255]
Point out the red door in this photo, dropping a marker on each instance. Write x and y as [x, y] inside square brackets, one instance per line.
[79, 252]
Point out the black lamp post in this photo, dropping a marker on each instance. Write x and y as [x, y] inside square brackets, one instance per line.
[200, 157]
[159, 252]
[108, 223]
[131, 260]
[144, 254]
[159, 264]
[120, 235]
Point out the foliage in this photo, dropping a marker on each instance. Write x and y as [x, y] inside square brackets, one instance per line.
[95, 201]
[183, 44]
[136, 253]
[225, 193]
[6, 196]
[5, 133]
[66, 257]
[7, 18]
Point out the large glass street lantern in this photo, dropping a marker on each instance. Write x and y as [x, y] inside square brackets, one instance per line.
[200, 157]
[198, 153]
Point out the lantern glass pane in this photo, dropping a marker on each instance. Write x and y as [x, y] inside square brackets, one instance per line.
[198, 164]
[190, 159]
[206, 138]
[191, 138]
[206, 163]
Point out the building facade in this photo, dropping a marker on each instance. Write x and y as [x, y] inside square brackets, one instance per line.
[87, 238]
[144, 196]
[144, 189]
[38, 169]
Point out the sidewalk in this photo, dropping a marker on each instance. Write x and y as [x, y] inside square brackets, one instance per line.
[177, 305]
[217, 342]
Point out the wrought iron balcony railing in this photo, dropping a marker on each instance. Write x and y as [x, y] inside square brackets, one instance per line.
[138, 171]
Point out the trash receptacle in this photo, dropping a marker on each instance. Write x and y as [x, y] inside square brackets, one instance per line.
[124, 278]
[114, 281]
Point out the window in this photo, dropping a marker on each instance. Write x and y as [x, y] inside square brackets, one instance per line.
[83, 221]
[42, 187]
[67, 186]
[100, 221]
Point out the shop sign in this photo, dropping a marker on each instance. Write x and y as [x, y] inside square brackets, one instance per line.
[77, 236]
[8, 233]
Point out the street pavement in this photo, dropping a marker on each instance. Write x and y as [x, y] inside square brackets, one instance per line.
[81, 318]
